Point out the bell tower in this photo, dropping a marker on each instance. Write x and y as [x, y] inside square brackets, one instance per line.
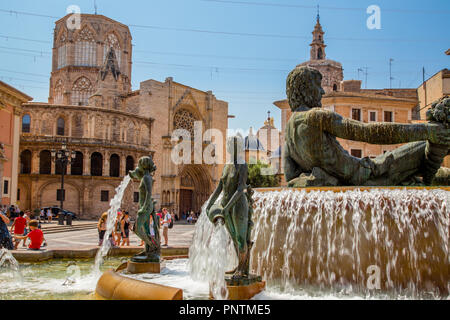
[318, 44]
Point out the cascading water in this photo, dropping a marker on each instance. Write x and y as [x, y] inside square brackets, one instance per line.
[7, 260]
[350, 240]
[114, 204]
[211, 255]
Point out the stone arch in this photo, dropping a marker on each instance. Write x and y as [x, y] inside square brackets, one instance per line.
[82, 89]
[45, 162]
[319, 54]
[195, 186]
[114, 165]
[129, 164]
[76, 168]
[25, 162]
[47, 195]
[96, 164]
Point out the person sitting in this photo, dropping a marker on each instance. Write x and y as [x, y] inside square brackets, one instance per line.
[36, 236]
[19, 227]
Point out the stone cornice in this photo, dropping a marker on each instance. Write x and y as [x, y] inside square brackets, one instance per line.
[29, 140]
[47, 106]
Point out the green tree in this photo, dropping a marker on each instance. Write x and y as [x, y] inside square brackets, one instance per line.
[258, 180]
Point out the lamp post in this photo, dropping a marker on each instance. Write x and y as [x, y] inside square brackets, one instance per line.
[64, 157]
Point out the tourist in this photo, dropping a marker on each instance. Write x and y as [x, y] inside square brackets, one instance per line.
[36, 236]
[5, 237]
[125, 228]
[167, 218]
[42, 215]
[101, 226]
[18, 228]
[49, 215]
[117, 227]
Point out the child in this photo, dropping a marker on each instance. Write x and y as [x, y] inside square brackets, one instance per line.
[36, 236]
[18, 228]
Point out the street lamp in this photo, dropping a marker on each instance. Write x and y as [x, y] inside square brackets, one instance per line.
[64, 157]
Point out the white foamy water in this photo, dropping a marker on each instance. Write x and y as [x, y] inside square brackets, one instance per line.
[211, 255]
[378, 241]
[7, 261]
[114, 206]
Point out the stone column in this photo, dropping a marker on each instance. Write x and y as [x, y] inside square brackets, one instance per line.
[123, 164]
[86, 163]
[106, 156]
[35, 161]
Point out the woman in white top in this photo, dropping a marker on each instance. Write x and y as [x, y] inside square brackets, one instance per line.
[165, 224]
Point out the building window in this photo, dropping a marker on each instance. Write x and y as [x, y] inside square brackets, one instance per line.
[356, 153]
[25, 162]
[388, 117]
[81, 91]
[85, 49]
[114, 166]
[356, 114]
[60, 195]
[96, 164]
[60, 126]
[5, 186]
[335, 87]
[104, 196]
[62, 51]
[26, 121]
[136, 196]
[62, 56]
[373, 116]
[18, 194]
[45, 162]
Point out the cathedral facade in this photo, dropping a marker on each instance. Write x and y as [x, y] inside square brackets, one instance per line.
[93, 111]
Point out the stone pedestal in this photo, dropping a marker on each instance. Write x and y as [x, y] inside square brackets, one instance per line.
[243, 288]
[145, 267]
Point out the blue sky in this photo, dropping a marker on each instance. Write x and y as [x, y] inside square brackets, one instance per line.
[247, 71]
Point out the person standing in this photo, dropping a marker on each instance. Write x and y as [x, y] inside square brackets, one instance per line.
[125, 229]
[18, 228]
[167, 218]
[49, 215]
[101, 227]
[117, 227]
[5, 237]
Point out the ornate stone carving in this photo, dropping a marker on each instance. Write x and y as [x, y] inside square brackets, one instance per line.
[184, 119]
[85, 35]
